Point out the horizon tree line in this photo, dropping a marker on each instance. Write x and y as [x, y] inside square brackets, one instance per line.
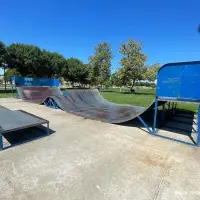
[32, 61]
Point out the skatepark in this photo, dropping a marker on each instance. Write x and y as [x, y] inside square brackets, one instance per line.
[83, 157]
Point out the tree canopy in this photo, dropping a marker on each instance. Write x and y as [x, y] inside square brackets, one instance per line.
[151, 72]
[31, 61]
[100, 63]
[132, 62]
[2, 53]
[77, 71]
[9, 73]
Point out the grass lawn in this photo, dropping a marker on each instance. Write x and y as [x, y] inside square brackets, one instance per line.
[4, 94]
[143, 97]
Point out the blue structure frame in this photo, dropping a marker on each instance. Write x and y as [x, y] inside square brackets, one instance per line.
[177, 82]
[32, 82]
[28, 81]
[51, 103]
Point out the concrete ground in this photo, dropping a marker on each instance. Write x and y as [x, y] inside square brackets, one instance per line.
[91, 160]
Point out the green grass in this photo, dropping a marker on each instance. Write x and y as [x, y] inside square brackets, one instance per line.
[6, 95]
[142, 97]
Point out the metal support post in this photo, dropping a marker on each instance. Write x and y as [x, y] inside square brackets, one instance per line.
[175, 106]
[48, 132]
[172, 107]
[155, 115]
[146, 126]
[1, 142]
[169, 105]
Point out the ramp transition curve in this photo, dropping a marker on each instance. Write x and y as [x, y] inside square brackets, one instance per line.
[87, 103]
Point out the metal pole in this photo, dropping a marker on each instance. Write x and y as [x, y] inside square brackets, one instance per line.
[169, 106]
[1, 142]
[12, 88]
[146, 126]
[155, 115]
[175, 106]
[48, 131]
[4, 70]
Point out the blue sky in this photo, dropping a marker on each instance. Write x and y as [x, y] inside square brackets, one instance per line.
[167, 29]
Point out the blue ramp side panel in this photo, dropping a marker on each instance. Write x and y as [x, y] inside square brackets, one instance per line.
[179, 81]
[198, 131]
[27, 81]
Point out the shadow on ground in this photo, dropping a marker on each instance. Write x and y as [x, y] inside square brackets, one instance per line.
[182, 123]
[27, 135]
[128, 92]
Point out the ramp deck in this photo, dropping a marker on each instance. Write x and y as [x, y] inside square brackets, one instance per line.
[11, 121]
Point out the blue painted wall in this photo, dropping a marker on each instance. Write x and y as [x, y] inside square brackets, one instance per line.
[179, 81]
[25, 81]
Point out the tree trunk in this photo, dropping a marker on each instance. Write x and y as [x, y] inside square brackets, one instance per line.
[120, 89]
[5, 79]
[133, 84]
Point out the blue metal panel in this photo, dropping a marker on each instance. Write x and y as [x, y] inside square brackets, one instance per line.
[25, 81]
[198, 131]
[179, 81]
[168, 83]
[190, 77]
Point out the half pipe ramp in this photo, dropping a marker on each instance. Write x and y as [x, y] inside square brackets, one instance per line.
[86, 103]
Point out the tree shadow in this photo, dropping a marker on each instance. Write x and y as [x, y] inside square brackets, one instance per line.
[8, 91]
[144, 93]
[126, 92]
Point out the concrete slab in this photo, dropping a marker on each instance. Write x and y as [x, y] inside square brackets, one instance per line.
[91, 160]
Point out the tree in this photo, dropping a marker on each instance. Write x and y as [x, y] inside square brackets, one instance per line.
[9, 73]
[3, 56]
[100, 63]
[132, 62]
[53, 65]
[77, 71]
[2, 53]
[113, 79]
[151, 72]
[30, 60]
[119, 78]
[85, 79]
[24, 58]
